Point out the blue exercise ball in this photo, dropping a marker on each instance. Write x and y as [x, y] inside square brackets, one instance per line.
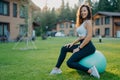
[97, 59]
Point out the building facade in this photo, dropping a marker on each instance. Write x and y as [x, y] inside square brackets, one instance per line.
[12, 17]
[106, 24]
[66, 27]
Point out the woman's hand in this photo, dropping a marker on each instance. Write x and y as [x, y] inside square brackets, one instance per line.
[69, 45]
[76, 50]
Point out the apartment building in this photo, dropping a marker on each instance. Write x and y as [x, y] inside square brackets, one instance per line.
[106, 24]
[13, 17]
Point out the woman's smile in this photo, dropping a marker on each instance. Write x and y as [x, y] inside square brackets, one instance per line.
[84, 12]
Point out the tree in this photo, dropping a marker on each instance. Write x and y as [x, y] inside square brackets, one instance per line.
[49, 17]
[67, 12]
[104, 5]
[95, 8]
[52, 19]
[73, 13]
[112, 6]
[62, 16]
[88, 2]
[115, 4]
[118, 5]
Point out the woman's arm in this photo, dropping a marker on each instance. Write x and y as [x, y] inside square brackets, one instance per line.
[88, 26]
[77, 40]
[74, 42]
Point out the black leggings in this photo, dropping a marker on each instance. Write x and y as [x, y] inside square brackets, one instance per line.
[76, 57]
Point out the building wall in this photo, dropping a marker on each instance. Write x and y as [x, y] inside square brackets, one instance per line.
[116, 28]
[102, 27]
[15, 22]
[68, 28]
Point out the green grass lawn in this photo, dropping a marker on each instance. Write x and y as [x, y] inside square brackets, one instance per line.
[36, 64]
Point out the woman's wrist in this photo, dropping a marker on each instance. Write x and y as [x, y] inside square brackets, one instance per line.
[73, 42]
[79, 47]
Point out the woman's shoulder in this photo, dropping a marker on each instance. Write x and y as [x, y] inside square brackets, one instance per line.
[88, 21]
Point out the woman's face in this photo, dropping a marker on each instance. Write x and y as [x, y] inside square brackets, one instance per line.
[84, 12]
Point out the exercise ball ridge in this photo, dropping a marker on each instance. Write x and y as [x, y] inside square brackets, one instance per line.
[97, 59]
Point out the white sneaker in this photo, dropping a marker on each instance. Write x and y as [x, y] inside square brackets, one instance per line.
[94, 72]
[56, 71]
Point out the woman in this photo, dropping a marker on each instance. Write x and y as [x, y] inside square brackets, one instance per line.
[81, 50]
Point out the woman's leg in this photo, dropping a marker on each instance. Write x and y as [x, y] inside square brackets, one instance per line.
[63, 53]
[73, 63]
[75, 58]
[61, 58]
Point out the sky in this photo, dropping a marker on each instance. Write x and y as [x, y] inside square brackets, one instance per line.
[54, 3]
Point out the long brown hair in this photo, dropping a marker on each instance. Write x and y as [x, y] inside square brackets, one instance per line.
[79, 19]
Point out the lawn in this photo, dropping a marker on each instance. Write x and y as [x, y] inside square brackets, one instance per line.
[36, 64]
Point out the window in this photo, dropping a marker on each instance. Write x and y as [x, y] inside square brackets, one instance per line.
[71, 33]
[71, 25]
[101, 20]
[97, 22]
[4, 8]
[97, 32]
[14, 10]
[107, 20]
[61, 25]
[1, 7]
[4, 29]
[62, 31]
[23, 12]
[1, 29]
[22, 30]
[67, 25]
[107, 31]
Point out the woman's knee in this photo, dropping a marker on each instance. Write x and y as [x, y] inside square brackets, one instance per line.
[69, 63]
[63, 48]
